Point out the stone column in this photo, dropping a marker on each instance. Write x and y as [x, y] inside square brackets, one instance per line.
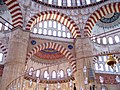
[15, 62]
[83, 48]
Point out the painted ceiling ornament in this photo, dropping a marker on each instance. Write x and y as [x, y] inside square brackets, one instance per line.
[48, 56]
[49, 51]
[109, 21]
[33, 42]
[70, 46]
[110, 18]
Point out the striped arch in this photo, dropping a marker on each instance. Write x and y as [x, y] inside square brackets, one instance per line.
[57, 47]
[16, 14]
[57, 16]
[98, 14]
[4, 49]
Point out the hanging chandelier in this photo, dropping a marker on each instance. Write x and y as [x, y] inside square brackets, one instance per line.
[111, 61]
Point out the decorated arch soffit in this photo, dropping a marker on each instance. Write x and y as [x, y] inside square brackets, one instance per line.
[56, 16]
[56, 47]
[98, 14]
[15, 11]
[49, 54]
[4, 49]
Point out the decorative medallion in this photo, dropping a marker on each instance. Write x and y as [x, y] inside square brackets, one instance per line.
[70, 46]
[33, 42]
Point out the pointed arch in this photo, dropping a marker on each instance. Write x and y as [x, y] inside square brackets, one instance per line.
[57, 47]
[15, 11]
[56, 16]
[98, 14]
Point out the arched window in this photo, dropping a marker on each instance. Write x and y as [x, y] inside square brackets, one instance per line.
[54, 33]
[105, 58]
[78, 3]
[87, 1]
[40, 31]
[117, 39]
[64, 34]
[61, 73]
[50, 2]
[50, 23]
[30, 71]
[45, 31]
[110, 40]
[63, 28]
[69, 72]
[35, 30]
[54, 24]
[59, 2]
[98, 40]
[40, 24]
[45, 24]
[100, 59]
[68, 35]
[83, 2]
[104, 40]
[59, 33]
[46, 74]
[59, 26]
[96, 66]
[64, 3]
[69, 2]
[49, 32]
[54, 75]
[37, 73]
[6, 26]
[1, 57]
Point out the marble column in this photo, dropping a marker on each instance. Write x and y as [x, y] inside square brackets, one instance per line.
[83, 48]
[15, 62]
